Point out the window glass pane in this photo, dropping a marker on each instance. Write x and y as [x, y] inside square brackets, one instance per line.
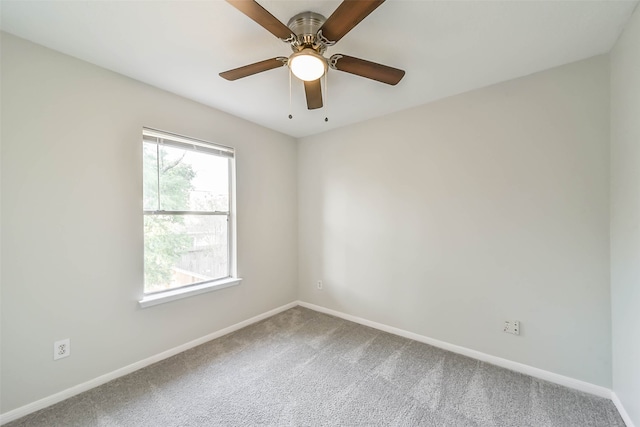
[180, 250]
[150, 176]
[193, 181]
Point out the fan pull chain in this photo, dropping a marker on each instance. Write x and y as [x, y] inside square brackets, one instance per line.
[290, 115]
[326, 95]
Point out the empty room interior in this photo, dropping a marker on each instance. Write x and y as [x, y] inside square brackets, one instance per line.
[320, 213]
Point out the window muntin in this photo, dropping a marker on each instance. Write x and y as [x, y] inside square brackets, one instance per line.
[186, 205]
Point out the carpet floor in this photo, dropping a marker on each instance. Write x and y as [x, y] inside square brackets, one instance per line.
[304, 368]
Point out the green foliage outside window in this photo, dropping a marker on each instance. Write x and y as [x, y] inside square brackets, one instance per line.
[165, 236]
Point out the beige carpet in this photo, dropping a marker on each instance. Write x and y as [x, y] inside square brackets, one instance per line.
[303, 368]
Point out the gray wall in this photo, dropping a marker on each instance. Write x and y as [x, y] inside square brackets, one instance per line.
[447, 219]
[625, 216]
[72, 224]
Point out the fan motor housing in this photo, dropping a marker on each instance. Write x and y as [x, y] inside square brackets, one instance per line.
[305, 26]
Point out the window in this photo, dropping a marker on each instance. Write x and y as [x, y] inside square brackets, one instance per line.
[187, 193]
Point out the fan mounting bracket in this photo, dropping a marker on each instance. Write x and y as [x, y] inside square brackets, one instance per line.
[291, 39]
[322, 39]
[333, 61]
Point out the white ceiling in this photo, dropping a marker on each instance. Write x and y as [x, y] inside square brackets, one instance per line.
[446, 47]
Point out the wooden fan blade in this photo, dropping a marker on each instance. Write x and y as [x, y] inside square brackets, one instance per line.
[313, 90]
[368, 69]
[248, 70]
[262, 17]
[346, 16]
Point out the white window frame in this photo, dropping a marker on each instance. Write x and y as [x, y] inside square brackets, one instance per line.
[171, 139]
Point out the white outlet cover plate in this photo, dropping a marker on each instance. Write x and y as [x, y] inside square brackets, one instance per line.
[61, 349]
[512, 327]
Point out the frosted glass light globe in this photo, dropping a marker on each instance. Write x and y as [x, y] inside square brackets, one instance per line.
[307, 65]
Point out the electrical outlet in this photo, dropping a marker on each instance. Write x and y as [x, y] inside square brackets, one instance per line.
[61, 349]
[512, 327]
[319, 285]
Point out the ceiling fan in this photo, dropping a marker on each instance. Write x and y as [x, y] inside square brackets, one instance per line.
[309, 35]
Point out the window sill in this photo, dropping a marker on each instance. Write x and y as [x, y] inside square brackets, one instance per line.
[175, 294]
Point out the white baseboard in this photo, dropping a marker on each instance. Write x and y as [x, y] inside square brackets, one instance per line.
[623, 412]
[77, 389]
[494, 360]
[498, 361]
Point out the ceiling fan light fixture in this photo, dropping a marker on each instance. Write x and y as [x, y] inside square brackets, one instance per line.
[307, 65]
